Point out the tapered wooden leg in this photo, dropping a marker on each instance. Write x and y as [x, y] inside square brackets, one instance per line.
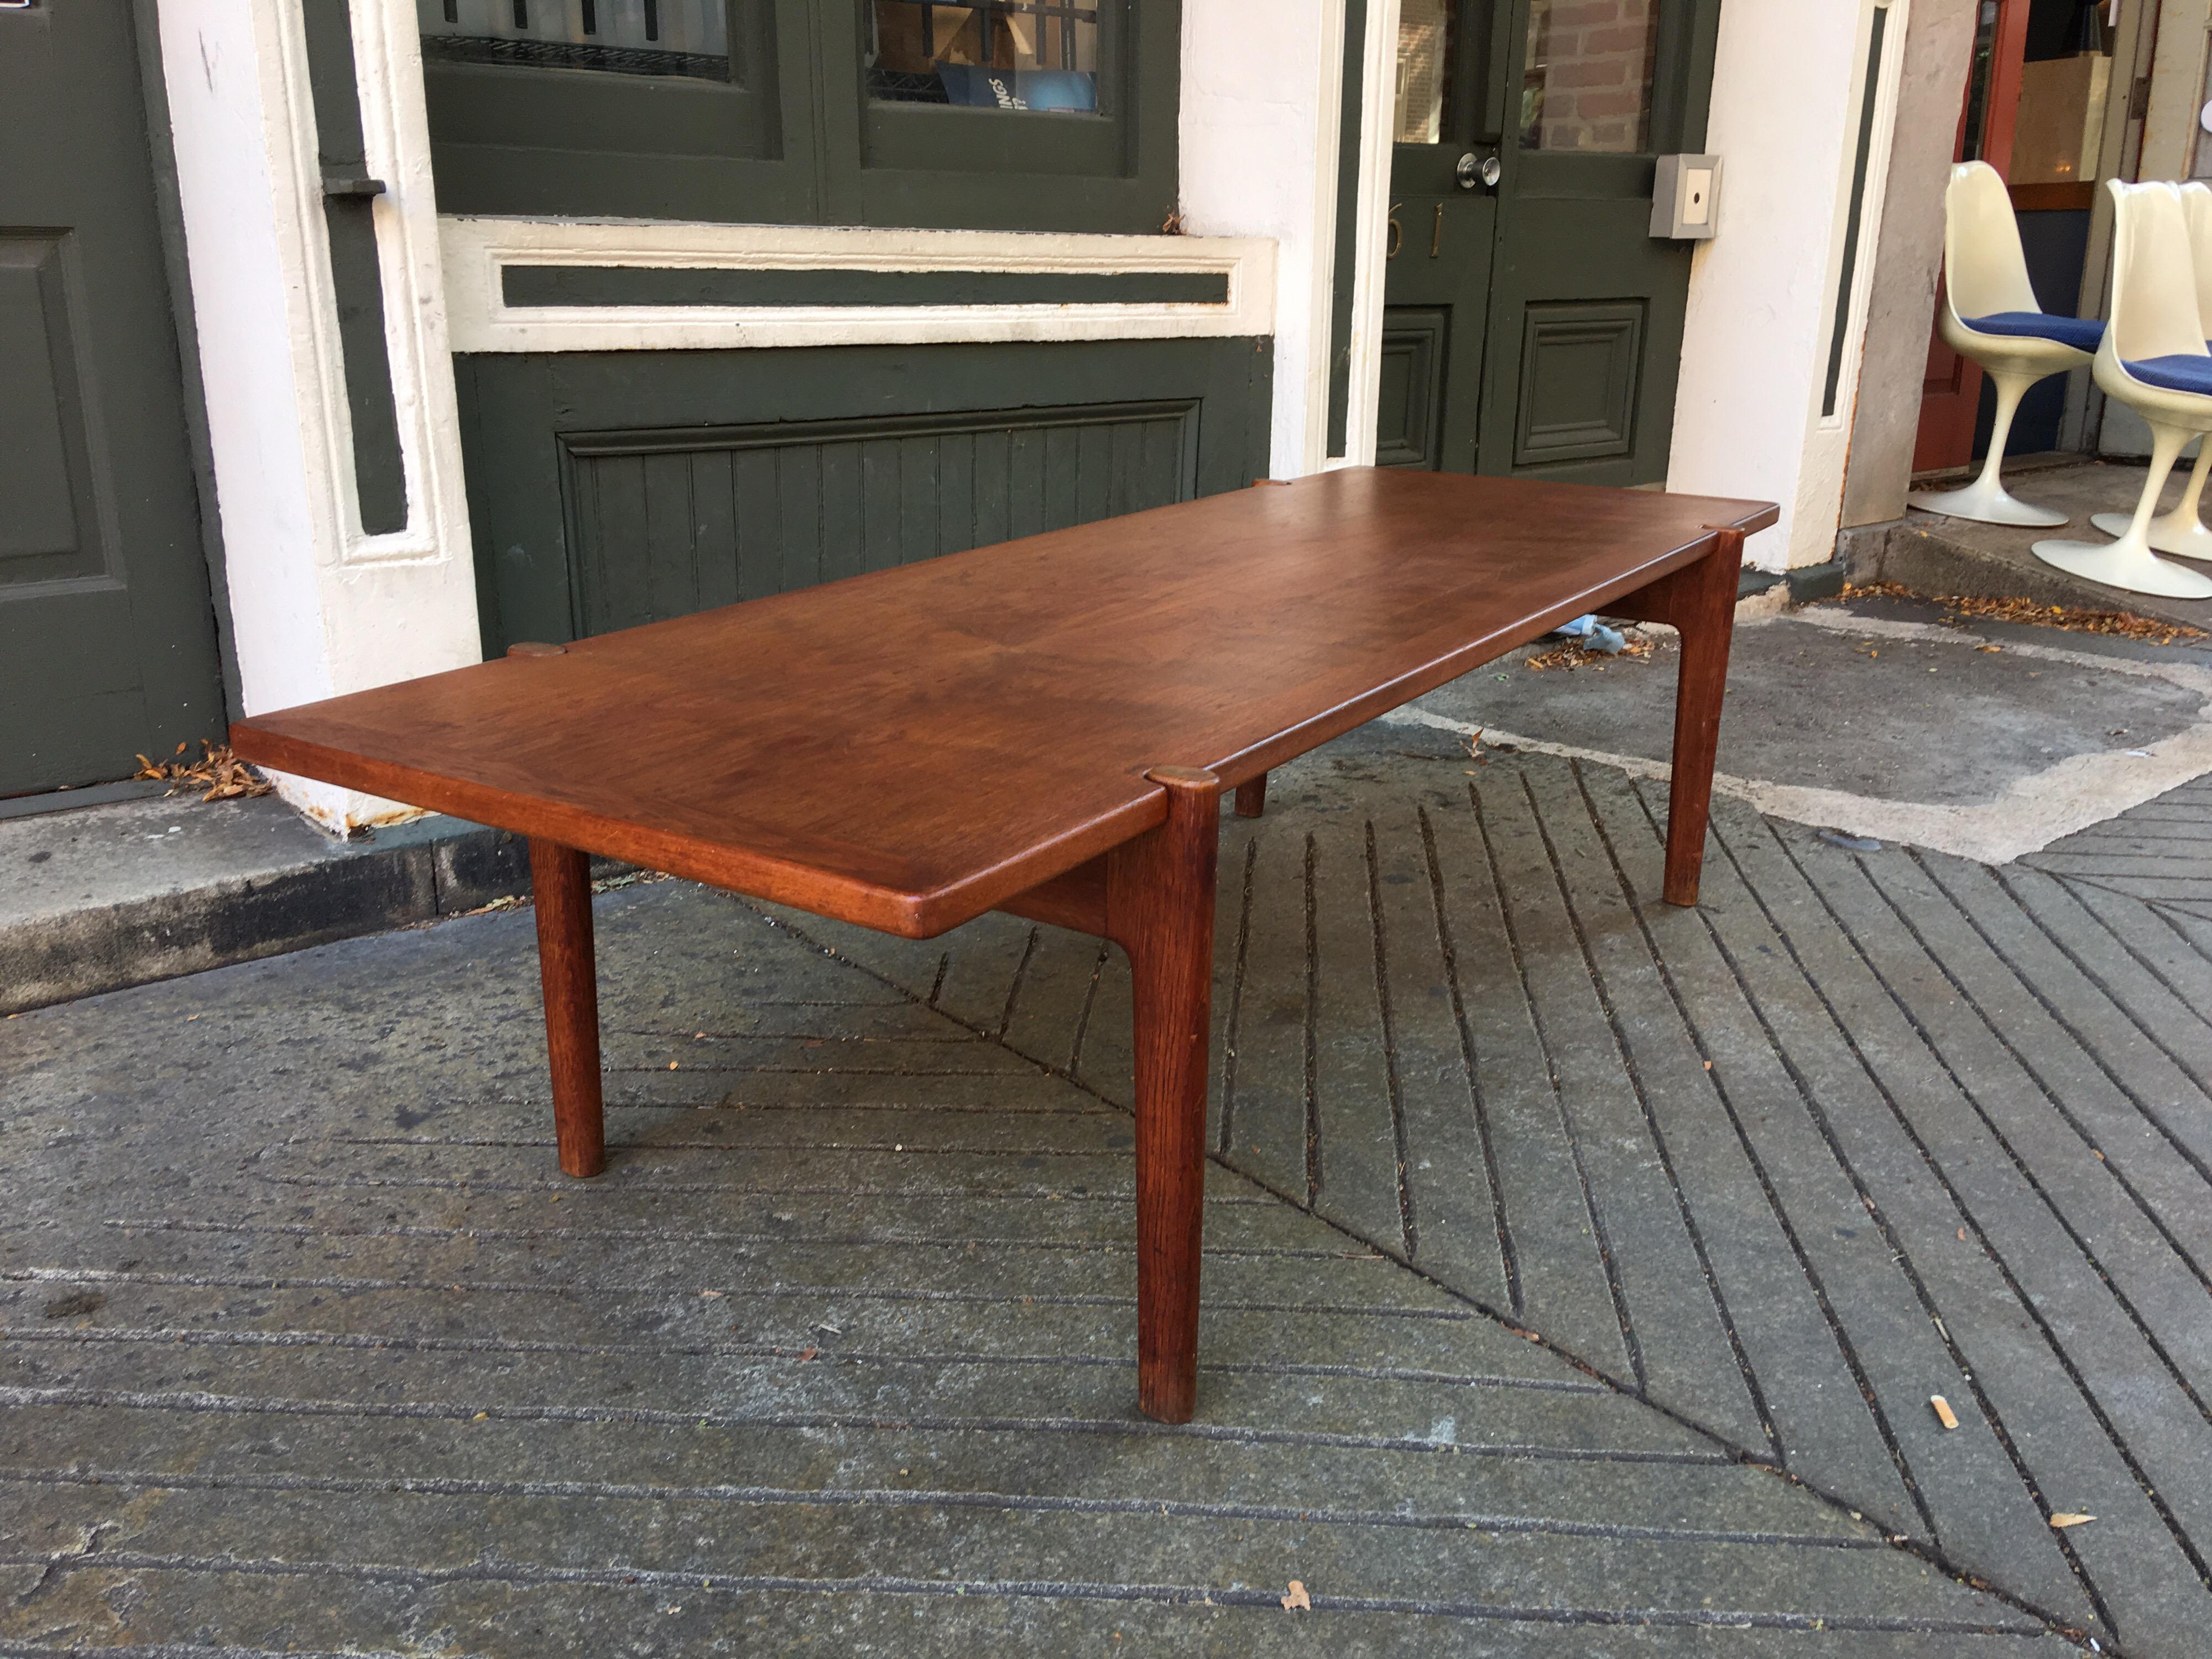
[560, 878]
[1160, 906]
[1703, 610]
[1252, 797]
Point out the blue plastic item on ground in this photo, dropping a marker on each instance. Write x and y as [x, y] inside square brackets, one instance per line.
[1594, 634]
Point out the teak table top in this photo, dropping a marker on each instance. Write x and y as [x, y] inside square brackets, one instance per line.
[908, 748]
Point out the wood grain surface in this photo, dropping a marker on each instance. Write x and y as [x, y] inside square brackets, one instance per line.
[907, 749]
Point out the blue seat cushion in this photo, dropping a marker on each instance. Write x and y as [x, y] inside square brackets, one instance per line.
[2183, 372]
[2082, 333]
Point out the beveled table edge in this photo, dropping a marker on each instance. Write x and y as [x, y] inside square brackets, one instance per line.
[924, 913]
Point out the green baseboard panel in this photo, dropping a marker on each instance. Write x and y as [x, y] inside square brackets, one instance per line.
[610, 488]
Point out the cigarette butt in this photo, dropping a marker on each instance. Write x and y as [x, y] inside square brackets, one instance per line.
[1944, 1414]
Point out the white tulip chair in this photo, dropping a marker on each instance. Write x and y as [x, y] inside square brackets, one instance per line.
[2182, 531]
[1991, 317]
[2154, 360]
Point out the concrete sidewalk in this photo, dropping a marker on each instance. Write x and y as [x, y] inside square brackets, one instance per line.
[1932, 553]
[1580, 1270]
[309, 1347]
[1869, 1127]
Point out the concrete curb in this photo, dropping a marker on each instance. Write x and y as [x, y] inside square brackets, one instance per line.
[260, 882]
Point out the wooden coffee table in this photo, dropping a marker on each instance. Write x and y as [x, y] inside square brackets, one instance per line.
[1044, 726]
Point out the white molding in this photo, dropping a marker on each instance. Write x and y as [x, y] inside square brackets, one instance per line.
[476, 250]
[388, 74]
[1319, 297]
[318, 608]
[1370, 239]
[387, 49]
[1882, 129]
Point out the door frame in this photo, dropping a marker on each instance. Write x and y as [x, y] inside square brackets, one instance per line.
[1378, 64]
[1948, 412]
[1371, 212]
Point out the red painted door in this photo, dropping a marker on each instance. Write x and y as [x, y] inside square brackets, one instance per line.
[1952, 393]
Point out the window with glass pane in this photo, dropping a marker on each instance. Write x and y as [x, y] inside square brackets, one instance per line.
[1425, 64]
[1587, 81]
[994, 54]
[623, 37]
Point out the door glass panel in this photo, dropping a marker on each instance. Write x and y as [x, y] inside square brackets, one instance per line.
[622, 37]
[994, 54]
[1588, 84]
[1424, 65]
[1975, 127]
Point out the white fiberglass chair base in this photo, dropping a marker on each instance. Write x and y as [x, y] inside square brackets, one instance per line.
[2130, 562]
[1990, 316]
[2153, 359]
[2180, 531]
[1986, 499]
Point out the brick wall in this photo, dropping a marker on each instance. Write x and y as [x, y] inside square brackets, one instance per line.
[1588, 80]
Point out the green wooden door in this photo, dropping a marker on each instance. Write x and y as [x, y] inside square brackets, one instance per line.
[106, 637]
[1532, 324]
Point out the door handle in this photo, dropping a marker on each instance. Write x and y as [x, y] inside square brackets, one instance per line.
[1474, 170]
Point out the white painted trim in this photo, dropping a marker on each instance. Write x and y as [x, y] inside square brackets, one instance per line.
[477, 249]
[387, 50]
[318, 609]
[1882, 126]
[1321, 269]
[1378, 141]
[388, 73]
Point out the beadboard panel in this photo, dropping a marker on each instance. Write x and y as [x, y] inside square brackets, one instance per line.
[608, 488]
[664, 524]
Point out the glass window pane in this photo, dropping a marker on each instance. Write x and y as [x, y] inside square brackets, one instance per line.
[1588, 84]
[622, 37]
[1424, 67]
[993, 54]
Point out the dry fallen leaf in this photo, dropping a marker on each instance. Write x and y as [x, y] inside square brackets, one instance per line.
[807, 1353]
[1944, 1414]
[1298, 1601]
[2065, 1518]
[2123, 624]
[227, 777]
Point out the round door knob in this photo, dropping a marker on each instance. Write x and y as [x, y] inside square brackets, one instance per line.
[1474, 170]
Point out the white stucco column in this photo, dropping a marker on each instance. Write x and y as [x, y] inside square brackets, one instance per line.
[1789, 83]
[320, 607]
[1258, 141]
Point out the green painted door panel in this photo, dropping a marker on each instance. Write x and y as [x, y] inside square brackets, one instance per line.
[612, 488]
[1441, 233]
[1562, 315]
[1409, 411]
[107, 635]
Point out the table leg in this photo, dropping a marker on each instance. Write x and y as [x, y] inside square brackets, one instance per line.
[1160, 903]
[1252, 797]
[1701, 607]
[561, 879]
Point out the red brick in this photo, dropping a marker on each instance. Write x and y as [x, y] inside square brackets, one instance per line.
[1584, 13]
[1628, 40]
[1600, 72]
[1598, 104]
